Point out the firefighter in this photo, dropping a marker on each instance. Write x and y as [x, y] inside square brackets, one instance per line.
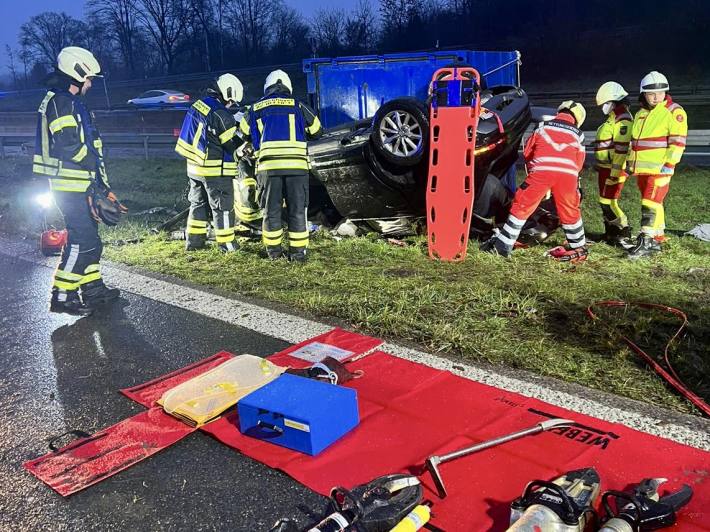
[278, 126]
[658, 138]
[68, 149]
[208, 141]
[611, 148]
[554, 156]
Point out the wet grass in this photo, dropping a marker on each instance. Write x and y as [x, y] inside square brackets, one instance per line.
[526, 312]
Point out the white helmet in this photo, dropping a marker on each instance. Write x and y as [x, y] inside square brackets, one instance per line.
[230, 88]
[78, 63]
[577, 110]
[611, 91]
[275, 77]
[654, 82]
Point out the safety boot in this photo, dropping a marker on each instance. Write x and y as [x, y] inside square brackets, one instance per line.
[618, 236]
[496, 247]
[645, 246]
[97, 293]
[229, 247]
[68, 303]
[298, 256]
[274, 252]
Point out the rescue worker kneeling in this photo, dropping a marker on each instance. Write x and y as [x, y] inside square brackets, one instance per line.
[278, 126]
[69, 151]
[554, 156]
[208, 141]
[658, 138]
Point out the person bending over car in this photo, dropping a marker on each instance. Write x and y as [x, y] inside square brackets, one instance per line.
[554, 156]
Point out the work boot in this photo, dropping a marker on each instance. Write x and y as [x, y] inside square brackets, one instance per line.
[229, 247]
[70, 305]
[496, 247]
[274, 252]
[618, 236]
[97, 293]
[567, 254]
[298, 256]
[645, 246]
[193, 247]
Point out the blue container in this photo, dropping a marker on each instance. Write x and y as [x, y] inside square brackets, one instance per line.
[343, 89]
[302, 414]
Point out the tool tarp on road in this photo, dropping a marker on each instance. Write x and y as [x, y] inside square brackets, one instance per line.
[410, 411]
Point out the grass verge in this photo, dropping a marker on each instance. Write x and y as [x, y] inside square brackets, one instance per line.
[527, 312]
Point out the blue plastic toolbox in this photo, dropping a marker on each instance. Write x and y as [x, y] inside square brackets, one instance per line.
[302, 414]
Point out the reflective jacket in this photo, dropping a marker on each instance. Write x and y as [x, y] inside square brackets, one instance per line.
[611, 146]
[555, 147]
[658, 138]
[278, 126]
[207, 139]
[68, 147]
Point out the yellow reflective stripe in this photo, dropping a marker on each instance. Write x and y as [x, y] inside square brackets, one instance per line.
[71, 172]
[90, 277]
[273, 234]
[187, 151]
[63, 285]
[662, 181]
[196, 230]
[69, 185]
[298, 152]
[244, 126]
[91, 268]
[260, 125]
[272, 241]
[650, 204]
[314, 127]
[292, 126]
[298, 239]
[197, 223]
[67, 276]
[225, 231]
[274, 101]
[63, 121]
[81, 154]
[618, 212]
[207, 171]
[202, 107]
[286, 164]
[228, 135]
[223, 236]
[198, 135]
[605, 201]
[282, 144]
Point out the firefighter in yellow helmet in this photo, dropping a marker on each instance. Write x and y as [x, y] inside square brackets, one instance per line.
[278, 127]
[69, 151]
[611, 148]
[658, 138]
[208, 141]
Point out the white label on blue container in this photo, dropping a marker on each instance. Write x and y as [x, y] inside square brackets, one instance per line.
[316, 351]
[296, 425]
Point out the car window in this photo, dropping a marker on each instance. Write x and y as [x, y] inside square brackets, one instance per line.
[150, 94]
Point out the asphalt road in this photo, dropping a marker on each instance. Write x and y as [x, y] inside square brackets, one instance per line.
[59, 373]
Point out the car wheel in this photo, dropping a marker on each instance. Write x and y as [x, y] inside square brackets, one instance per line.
[400, 132]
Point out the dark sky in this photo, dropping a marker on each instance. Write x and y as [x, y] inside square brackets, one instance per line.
[13, 17]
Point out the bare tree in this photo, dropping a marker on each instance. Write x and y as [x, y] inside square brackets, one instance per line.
[250, 21]
[11, 67]
[166, 21]
[328, 28]
[120, 20]
[291, 39]
[361, 28]
[204, 11]
[44, 36]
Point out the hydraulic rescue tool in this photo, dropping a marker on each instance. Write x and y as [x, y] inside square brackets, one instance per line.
[377, 506]
[563, 505]
[432, 463]
[643, 509]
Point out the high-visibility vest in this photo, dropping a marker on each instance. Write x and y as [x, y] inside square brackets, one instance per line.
[202, 137]
[658, 138]
[59, 113]
[278, 129]
[611, 146]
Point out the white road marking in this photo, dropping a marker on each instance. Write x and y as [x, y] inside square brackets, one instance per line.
[295, 329]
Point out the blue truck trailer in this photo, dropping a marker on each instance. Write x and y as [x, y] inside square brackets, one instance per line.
[346, 89]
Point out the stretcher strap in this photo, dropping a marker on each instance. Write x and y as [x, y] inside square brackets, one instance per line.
[668, 373]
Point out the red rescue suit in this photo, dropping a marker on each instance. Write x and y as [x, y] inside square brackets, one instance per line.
[554, 156]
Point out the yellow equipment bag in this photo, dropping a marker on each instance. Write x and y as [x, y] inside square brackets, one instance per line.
[207, 396]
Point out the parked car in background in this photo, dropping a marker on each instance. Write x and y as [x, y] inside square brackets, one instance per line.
[162, 98]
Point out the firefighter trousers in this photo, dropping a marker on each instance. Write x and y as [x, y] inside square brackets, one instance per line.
[79, 263]
[609, 193]
[246, 200]
[654, 189]
[293, 188]
[215, 195]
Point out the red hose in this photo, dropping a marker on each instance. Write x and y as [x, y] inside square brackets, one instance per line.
[668, 374]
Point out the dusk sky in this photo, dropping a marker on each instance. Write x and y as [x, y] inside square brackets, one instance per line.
[13, 17]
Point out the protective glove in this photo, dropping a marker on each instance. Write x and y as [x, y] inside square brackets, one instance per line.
[112, 197]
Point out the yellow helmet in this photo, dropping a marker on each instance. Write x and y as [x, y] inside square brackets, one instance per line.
[230, 88]
[654, 82]
[611, 91]
[576, 109]
[78, 63]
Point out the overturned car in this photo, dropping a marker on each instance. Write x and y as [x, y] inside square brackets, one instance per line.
[375, 170]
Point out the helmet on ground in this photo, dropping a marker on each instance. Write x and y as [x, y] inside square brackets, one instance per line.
[654, 82]
[576, 109]
[78, 63]
[611, 91]
[230, 88]
[278, 76]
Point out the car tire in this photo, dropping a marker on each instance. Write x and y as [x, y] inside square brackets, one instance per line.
[400, 131]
